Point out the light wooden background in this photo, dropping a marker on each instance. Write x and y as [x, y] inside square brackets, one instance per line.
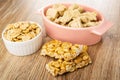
[105, 55]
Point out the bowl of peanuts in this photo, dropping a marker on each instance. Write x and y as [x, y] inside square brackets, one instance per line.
[74, 23]
[22, 38]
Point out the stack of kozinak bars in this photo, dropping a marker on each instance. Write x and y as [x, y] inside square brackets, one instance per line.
[69, 57]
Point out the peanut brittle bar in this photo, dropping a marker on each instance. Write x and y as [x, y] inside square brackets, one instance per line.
[62, 50]
[60, 66]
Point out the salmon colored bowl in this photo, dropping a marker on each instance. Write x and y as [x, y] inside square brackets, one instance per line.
[88, 36]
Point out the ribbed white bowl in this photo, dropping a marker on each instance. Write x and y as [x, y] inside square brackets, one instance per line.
[26, 47]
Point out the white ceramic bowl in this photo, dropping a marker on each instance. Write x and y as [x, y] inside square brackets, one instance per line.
[25, 47]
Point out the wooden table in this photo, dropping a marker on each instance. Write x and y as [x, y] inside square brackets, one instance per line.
[105, 54]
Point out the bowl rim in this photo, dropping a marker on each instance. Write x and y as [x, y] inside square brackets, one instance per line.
[70, 28]
[27, 41]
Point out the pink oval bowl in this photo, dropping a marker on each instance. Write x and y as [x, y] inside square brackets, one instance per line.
[86, 36]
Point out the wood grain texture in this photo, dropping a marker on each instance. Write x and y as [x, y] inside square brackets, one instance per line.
[105, 54]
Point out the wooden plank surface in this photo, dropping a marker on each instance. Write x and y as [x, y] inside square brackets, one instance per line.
[105, 54]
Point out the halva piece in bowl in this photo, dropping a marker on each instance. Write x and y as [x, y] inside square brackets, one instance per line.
[22, 38]
[74, 23]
